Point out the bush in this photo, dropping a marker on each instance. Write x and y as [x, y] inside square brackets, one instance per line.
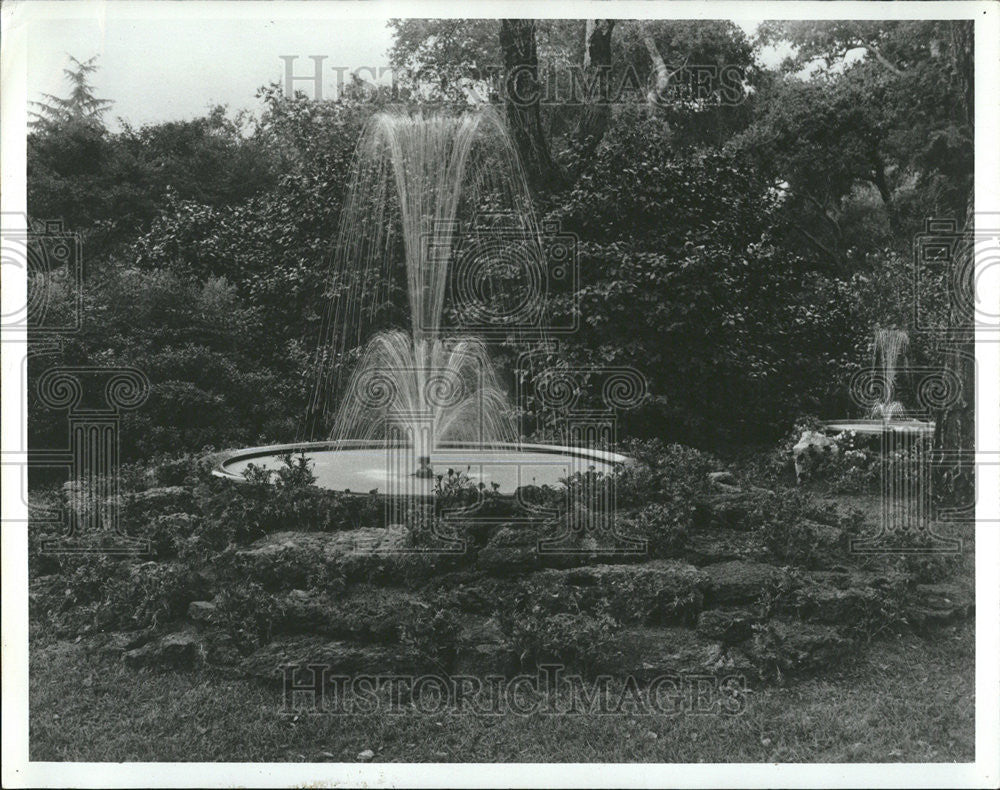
[781, 525]
[280, 500]
[432, 634]
[247, 612]
[578, 640]
[664, 473]
[170, 534]
[150, 595]
[663, 525]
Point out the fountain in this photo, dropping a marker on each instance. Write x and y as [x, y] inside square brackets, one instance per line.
[425, 400]
[878, 390]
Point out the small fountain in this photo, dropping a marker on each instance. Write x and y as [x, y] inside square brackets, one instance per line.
[878, 388]
[428, 398]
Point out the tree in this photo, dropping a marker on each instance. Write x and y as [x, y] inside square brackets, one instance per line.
[912, 84]
[81, 104]
[521, 99]
[596, 70]
[435, 59]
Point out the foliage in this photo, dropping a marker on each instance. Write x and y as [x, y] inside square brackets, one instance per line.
[149, 595]
[739, 257]
[781, 524]
[431, 634]
[578, 640]
[82, 103]
[209, 384]
[248, 614]
[294, 473]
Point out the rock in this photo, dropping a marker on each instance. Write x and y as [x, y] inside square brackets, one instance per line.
[780, 647]
[706, 547]
[649, 652]
[936, 604]
[181, 650]
[114, 644]
[660, 591]
[80, 495]
[366, 612]
[739, 581]
[724, 478]
[268, 663]
[285, 560]
[728, 489]
[201, 611]
[159, 501]
[483, 649]
[844, 599]
[829, 538]
[728, 509]
[220, 648]
[811, 447]
[475, 595]
[510, 550]
[728, 626]
[366, 756]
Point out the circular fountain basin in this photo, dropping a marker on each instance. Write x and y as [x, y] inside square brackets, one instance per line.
[880, 426]
[366, 467]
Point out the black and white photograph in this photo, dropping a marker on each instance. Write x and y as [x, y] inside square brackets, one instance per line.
[494, 395]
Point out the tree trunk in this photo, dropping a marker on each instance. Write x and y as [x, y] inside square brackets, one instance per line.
[596, 82]
[521, 97]
[882, 184]
[661, 86]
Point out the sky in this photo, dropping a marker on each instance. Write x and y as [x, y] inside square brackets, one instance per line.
[160, 70]
[176, 66]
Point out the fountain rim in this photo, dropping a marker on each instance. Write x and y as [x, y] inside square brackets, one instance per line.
[334, 445]
[876, 426]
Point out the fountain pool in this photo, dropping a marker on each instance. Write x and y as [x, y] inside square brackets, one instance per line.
[365, 466]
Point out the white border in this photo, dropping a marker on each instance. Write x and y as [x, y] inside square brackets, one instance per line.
[985, 772]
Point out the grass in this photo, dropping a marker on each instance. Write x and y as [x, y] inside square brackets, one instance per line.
[906, 699]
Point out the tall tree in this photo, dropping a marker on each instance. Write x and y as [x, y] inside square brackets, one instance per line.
[597, 82]
[81, 105]
[522, 96]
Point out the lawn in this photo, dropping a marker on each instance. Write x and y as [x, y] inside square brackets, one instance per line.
[904, 699]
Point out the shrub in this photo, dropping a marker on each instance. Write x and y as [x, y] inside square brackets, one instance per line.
[663, 525]
[432, 634]
[585, 641]
[781, 525]
[242, 513]
[149, 595]
[184, 469]
[663, 473]
[169, 534]
[247, 612]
